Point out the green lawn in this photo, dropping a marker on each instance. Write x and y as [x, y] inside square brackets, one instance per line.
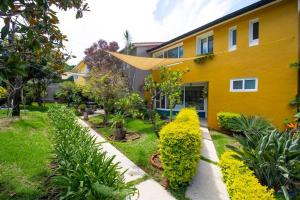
[25, 150]
[221, 140]
[140, 150]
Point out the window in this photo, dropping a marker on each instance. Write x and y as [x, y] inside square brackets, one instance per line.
[205, 43]
[232, 39]
[173, 53]
[253, 32]
[176, 52]
[244, 85]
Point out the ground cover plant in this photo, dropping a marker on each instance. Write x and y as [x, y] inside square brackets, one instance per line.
[24, 155]
[83, 170]
[240, 181]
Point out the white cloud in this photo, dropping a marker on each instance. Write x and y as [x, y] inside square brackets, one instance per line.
[109, 19]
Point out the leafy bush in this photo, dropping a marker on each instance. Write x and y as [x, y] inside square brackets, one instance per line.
[3, 92]
[131, 106]
[180, 143]
[273, 156]
[70, 93]
[84, 171]
[225, 118]
[240, 180]
[250, 124]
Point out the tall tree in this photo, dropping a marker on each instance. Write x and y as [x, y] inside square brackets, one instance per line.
[31, 41]
[129, 49]
[96, 56]
[106, 88]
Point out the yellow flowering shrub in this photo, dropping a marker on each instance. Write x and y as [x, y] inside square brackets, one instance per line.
[180, 144]
[3, 92]
[240, 181]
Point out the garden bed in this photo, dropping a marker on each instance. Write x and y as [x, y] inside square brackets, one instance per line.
[140, 150]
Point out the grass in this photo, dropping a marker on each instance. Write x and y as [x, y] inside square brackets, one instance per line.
[140, 150]
[221, 140]
[24, 155]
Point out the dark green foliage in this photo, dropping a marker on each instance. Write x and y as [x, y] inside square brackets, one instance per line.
[225, 118]
[70, 93]
[84, 170]
[131, 105]
[203, 58]
[273, 156]
[250, 124]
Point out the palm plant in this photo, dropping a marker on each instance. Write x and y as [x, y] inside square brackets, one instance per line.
[118, 122]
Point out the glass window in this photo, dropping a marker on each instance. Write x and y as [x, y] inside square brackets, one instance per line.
[234, 37]
[173, 53]
[250, 84]
[180, 52]
[210, 44]
[238, 85]
[255, 30]
[243, 85]
[163, 101]
[205, 44]
[193, 97]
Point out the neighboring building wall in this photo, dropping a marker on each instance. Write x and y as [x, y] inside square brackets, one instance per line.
[82, 71]
[269, 62]
[51, 90]
[137, 76]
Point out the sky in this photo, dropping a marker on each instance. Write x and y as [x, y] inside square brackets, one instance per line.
[146, 20]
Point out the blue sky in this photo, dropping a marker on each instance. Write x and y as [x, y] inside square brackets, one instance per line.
[146, 20]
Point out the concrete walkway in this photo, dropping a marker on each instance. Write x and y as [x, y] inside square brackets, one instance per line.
[149, 189]
[207, 184]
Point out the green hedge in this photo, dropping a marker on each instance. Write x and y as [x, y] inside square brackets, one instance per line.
[84, 171]
[225, 118]
[240, 181]
[180, 144]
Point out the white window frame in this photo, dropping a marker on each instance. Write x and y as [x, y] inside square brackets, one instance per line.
[243, 89]
[200, 37]
[232, 47]
[253, 42]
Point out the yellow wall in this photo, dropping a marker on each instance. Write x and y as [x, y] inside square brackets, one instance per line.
[80, 68]
[269, 62]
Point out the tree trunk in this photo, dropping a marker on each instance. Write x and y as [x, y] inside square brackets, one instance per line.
[16, 96]
[16, 103]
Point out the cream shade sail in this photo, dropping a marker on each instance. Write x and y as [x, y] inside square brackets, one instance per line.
[146, 63]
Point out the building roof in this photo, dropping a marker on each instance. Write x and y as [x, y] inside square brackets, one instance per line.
[237, 13]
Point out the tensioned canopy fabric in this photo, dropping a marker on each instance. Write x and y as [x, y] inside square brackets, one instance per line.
[146, 63]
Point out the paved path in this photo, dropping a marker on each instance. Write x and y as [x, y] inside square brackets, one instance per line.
[207, 184]
[149, 189]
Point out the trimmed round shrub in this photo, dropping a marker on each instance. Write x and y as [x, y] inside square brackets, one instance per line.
[180, 145]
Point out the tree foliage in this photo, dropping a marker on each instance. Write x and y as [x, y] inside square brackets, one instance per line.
[31, 45]
[96, 56]
[106, 89]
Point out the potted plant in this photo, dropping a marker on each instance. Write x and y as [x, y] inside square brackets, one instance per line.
[118, 122]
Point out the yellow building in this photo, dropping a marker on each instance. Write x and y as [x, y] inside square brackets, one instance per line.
[80, 72]
[250, 72]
